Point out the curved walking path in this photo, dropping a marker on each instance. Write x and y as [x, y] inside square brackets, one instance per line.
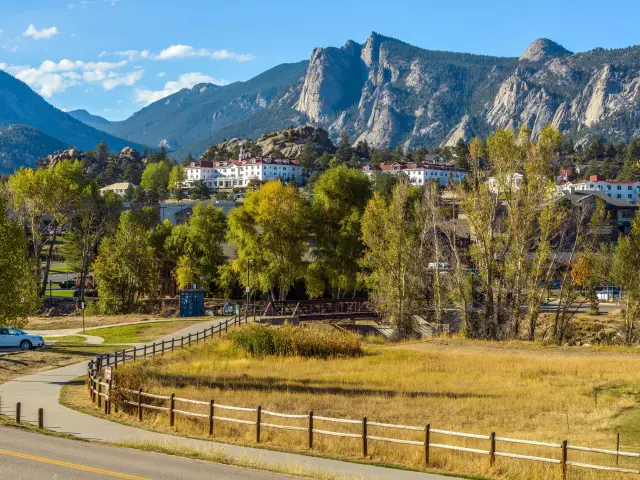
[42, 390]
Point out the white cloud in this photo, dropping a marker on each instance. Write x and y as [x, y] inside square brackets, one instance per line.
[54, 77]
[14, 49]
[70, 6]
[186, 80]
[126, 79]
[227, 55]
[161, 74]
[176, 51]
[44, 34]
[182, 51]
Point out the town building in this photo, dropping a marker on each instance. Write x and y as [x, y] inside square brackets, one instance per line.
[118, 188]
[515, 179]
[620, 213]
[420, 173]
[241, 172]
[618, 189]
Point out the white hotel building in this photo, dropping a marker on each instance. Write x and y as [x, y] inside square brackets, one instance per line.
[420, 173]
[238, 173]
[619, 189]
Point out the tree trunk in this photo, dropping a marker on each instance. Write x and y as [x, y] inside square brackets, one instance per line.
[45, 273]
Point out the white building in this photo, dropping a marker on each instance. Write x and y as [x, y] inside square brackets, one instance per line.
[420, 173]
[118, 188]
[238, 173]
[619, 189]
[515, 179]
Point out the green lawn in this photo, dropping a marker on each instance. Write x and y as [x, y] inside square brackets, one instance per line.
[70, 339]
[139, 333]
[60, 268]
[61, 293]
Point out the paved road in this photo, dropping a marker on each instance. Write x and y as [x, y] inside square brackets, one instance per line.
[43, 390]
[29, 455]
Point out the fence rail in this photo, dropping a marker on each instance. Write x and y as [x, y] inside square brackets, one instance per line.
[167, 406]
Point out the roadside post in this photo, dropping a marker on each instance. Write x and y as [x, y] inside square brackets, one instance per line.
[84, 331]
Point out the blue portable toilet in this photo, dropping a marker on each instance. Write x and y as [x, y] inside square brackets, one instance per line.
[192, 303]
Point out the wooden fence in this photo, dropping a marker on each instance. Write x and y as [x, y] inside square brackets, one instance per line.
[137, 401]
[159, 348]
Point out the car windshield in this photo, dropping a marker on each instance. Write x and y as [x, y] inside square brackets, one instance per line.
[14, 331]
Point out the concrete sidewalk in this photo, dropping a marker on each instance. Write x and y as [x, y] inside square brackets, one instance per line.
[42, 390]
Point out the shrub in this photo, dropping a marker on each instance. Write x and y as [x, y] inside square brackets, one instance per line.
[260, 340]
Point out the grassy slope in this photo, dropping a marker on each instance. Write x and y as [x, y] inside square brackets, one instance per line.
[515, 389]
[139, 333]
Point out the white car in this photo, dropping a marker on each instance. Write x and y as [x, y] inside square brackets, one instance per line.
[14, 337]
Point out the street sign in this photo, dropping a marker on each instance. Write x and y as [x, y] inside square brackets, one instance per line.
[605, 283]
[107, 373]
[246, 289]
[82, 305]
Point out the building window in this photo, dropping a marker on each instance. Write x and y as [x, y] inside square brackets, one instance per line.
[619, 188]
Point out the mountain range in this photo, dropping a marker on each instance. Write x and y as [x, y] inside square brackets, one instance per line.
[386, 92]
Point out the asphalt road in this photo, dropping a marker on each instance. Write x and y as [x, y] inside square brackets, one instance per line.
[29, 455]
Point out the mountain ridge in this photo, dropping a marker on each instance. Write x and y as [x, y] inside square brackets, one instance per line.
[20, 105]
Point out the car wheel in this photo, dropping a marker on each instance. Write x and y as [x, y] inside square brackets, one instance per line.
[25, 345]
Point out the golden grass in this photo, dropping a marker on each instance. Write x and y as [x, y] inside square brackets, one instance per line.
[521, 390]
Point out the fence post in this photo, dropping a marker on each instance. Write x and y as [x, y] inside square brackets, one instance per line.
[311, 429]
[90, 382]
[93, 388]
[135, 350]
[563, 462]
[427, 441]
[106, 401]
[172, 344]
[145, 350]
[211, 417]
[99, 392]
[40, 418]
[140, 405]
[153, 354]
[189, 344]
[492, 449]
[124, 355]
[110, 393]
[226, 325]
[18, 409]
[258, 420]
[364, 437]
[172, 405]
[220, 329]
[162, 348]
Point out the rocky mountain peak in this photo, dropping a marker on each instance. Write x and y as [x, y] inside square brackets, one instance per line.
[544, 49]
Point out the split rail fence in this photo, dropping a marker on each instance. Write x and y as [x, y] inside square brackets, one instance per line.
[137, 401]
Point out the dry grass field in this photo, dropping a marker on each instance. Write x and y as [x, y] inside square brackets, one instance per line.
[582, 394]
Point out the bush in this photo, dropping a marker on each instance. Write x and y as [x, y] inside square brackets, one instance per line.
[289, 341]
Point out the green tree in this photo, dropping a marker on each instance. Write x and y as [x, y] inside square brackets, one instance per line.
[187, 160]
[395, 272]
[95, 218]
[196, 246]
[177, 178]
[307, 157]
[44, 200]
[626, 274]
[340, 196]
[270, 233]
[18, 274]
[124, 269]
[155, 178]
[199, 190]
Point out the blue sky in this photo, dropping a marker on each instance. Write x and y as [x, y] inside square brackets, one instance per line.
[112, 57]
